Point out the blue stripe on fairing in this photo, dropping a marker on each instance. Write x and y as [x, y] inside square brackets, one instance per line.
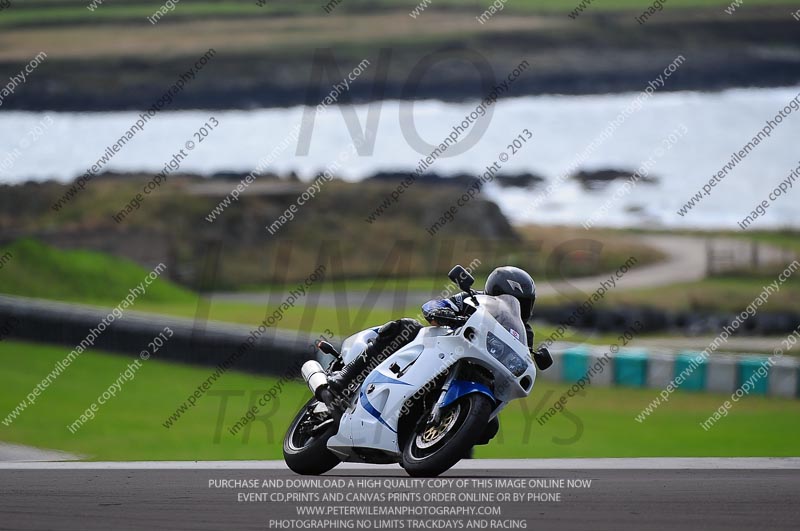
[376, 378]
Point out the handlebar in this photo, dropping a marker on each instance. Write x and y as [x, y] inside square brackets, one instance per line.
[453, 322]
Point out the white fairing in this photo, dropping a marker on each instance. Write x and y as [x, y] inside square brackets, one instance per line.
[355, 344]
[371, 422]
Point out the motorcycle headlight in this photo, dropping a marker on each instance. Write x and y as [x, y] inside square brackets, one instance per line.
[506, 355]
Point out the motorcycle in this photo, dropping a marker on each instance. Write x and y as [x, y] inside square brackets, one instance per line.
[427, 405]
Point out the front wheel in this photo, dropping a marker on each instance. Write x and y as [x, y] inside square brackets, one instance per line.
[433, 449]
[305, 447]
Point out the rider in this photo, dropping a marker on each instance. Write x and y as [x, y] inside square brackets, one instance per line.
[392, 336]
[506, 280]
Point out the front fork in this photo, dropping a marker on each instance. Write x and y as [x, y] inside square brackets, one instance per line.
[436, 411]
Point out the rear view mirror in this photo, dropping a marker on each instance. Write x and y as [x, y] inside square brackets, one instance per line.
[462, 278]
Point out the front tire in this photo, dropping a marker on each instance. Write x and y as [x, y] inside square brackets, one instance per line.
[305, 450]
[431, 450]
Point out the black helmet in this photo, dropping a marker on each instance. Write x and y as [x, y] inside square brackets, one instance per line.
[509, 280]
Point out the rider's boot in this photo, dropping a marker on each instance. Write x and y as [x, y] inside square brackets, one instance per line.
[391, 337]
[349, 374]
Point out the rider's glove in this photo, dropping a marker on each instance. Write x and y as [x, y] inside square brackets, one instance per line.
[441, 315]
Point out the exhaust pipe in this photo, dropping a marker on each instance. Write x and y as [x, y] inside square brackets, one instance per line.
[317, 380]
[315, 376]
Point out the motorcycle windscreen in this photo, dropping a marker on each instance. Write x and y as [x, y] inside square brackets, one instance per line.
[505, 310]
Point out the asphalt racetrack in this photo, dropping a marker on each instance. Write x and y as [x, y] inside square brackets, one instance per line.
[614, 494]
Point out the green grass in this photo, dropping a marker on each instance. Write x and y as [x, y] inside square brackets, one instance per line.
[341, 322]
[32, 269]
[785, 239]
[129, 427]
[436, 284]
[93, 278]
[601, 424]
[306, 319]
[38, 270]
[109, 12]
[732, 293]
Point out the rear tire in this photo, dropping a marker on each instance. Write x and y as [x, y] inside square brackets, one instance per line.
[307, 453]
[430, 451]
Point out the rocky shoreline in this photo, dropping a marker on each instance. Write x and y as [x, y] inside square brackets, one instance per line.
[600, 53]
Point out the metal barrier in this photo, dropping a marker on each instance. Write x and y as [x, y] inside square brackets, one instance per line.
[718, 373]
[205, 343]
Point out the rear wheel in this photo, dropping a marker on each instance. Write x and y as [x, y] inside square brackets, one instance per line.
[433, 448]
[305, 447]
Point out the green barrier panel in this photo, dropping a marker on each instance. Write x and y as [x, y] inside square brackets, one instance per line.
[692, 369]
[630, 369]
[748, 374]
[575, 363]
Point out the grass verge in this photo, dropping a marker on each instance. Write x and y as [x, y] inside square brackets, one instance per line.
[729, 293]
[38, 270]
[129, 427]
